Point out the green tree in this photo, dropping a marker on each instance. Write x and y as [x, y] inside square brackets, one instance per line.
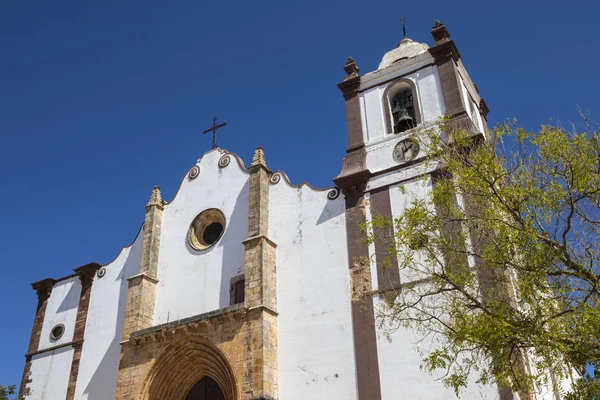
[10, 393]
[587, 388]
[504, 257]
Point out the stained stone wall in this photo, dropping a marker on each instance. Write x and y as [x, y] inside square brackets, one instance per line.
[164, 362]
[236, 345]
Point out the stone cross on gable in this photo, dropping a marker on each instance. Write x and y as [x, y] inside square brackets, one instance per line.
[214, 129]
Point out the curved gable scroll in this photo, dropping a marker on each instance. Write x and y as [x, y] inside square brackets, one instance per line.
[182, 364]
[332, 192]
[393, 88]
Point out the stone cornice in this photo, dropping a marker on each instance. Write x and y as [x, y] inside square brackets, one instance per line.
[59, 346]
[204, 317]
[444, 51]
[349, 87]
[253, 168]
[264, 308]
[381, 77]
[145, 276]
[259, 237]
[86, 273]
[43, 288]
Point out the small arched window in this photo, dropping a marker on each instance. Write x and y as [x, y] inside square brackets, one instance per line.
[237, 289]
[402, 109]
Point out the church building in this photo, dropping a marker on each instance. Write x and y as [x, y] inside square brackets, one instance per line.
[246, 287]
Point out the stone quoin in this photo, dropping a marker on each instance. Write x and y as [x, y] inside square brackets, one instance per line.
[246, 287]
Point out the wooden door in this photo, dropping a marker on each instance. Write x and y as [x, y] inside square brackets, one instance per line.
[205, 389]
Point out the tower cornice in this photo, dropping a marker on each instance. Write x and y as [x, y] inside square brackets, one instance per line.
[444, 51]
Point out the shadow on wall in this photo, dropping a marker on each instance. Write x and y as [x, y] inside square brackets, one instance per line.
[71, 300]
[103, 383]
[237, 231]
[332, 209]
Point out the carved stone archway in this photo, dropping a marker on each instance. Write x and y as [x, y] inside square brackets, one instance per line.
[185, 362]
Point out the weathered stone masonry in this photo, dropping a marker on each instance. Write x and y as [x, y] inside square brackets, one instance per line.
[141, 293]
[261, 286]
[236, 346]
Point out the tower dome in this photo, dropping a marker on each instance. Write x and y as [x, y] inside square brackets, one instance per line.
[407, 48]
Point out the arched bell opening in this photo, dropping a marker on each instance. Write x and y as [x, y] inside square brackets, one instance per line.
[185, 367]
[403, 111]
[205, 389]
[401, 106]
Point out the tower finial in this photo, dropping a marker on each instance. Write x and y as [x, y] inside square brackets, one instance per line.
[259, 157]
[155, 198]
[440, 33]
[351, 68]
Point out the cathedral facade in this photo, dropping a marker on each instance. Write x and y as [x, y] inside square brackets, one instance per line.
[246, 287]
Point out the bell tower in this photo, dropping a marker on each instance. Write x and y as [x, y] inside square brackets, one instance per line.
[414, 85]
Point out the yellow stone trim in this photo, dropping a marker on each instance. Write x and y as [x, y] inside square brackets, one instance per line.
[145, 276]
[257, 238]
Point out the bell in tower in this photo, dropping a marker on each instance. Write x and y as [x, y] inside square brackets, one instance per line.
[403, 112]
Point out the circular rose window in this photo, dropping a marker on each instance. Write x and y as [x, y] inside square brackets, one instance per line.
[206, 229]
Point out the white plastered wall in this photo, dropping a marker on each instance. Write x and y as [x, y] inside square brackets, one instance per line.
[61, 309]
[545, 391]
[192, 282]
[470, 104]
[379, 144]
[428, 96]
[50, 374]
[399, 357]
[401, 197]
[316, 353]
[99, 365]
[374, 125]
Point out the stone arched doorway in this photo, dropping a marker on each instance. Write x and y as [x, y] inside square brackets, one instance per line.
[186, 367]
[205, 389]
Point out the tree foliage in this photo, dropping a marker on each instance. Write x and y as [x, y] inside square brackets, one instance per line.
[10, 392]
[587, 388]
[500, 261]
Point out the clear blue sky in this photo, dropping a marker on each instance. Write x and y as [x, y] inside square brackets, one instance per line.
[100, 101]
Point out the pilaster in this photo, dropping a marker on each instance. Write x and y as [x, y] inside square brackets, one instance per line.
[446, 56]
[152, 228]
[86, 275]
[354, 174]
[141, 292]
[352, 180]
[363, 312]
[261, 288]
[43, 290]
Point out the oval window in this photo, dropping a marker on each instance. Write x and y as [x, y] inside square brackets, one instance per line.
[57, 332]
[206, 229]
